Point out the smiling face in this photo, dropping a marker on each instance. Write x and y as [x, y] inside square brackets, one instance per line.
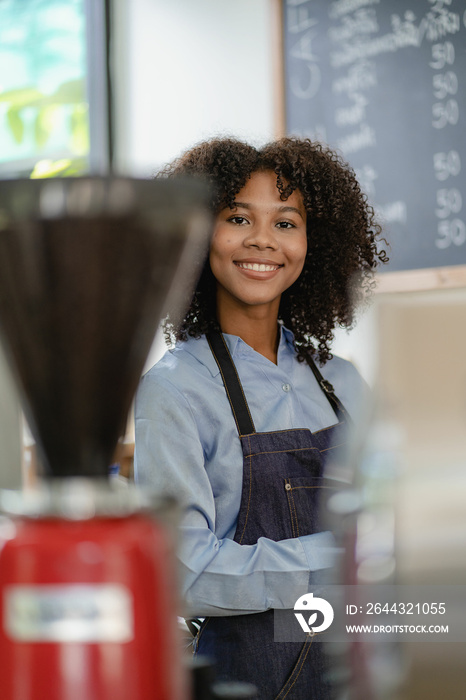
[259, 247]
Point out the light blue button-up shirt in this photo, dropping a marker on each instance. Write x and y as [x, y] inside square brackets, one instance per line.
[187, 445]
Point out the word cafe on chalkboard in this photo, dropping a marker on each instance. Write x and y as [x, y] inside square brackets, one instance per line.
[384, 82]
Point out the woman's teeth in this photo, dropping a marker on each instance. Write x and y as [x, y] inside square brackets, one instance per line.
[256, 267]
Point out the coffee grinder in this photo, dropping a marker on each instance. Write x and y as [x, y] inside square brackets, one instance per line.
[87, 581]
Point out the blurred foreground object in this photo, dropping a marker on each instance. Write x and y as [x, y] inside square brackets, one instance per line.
[403, 521]
[87, 586]
[85, 270]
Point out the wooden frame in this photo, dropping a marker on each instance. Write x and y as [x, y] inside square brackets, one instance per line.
[278, 67]
[421, 280]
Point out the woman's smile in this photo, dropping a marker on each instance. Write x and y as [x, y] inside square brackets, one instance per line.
[258, 269]
[257, 266]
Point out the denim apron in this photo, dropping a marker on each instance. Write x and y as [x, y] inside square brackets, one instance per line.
[282, 481]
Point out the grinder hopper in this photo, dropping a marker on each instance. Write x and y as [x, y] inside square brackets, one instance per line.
[86, 266]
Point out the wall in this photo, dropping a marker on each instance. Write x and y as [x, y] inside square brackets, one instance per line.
[185, 70]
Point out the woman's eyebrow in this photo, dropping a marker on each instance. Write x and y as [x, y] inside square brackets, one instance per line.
[243, 205]
[285, 208]
[281, 209]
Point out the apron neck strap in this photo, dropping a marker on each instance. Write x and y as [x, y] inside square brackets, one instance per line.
[235, 393]
[341, 412]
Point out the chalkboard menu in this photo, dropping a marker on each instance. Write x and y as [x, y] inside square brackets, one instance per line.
[384, 82]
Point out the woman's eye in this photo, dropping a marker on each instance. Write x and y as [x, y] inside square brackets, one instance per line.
[239, 220]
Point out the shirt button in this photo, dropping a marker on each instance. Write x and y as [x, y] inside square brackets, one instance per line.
[286, 387]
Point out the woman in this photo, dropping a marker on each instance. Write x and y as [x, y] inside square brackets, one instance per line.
[237, 421]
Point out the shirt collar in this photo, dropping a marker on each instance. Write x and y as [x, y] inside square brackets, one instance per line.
[199, 348]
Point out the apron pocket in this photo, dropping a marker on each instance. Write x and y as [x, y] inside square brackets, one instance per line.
[306, 496]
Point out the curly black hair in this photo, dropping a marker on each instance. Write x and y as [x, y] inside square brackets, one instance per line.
[342, 233]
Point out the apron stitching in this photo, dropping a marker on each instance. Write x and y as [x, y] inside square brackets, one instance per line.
[249, 499]
[295, 513]
[335, 425]
[276, 452]
[290, 506]
[305, 651]
[288, 430]
[340, 444]
[293, 488]
[239, 381]
[297, 430]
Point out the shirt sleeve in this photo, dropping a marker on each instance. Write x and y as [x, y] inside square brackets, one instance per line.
[218, 576]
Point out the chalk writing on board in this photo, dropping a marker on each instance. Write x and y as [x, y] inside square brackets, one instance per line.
[384, 83]
[451, 230]
[343, 7]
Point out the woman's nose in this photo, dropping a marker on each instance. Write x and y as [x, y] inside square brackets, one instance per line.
[261, 237]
